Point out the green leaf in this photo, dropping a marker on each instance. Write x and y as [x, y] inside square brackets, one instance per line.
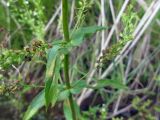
[51, 91]
[59, 42]
[79, 35]
[63, 95]
[36, 104]
[51, 60]
[67, 111]
[112, 83]
[52, 76]
[78, 86]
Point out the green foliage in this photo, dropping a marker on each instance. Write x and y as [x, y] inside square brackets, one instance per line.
[3, 22]
[34, 19]
[67, 110]
[91, 113]
[143, 109]
[77, 86]
[27, 23]
[52, 75]
[129, 20]
[64, 94]
[30, 14]
[23, 20]
[34, 106]
[110, 83]
[54, 60]
[95, 113]
[53, 63]
[82, 9]
[37, 49]
[50, 5]
[78, 35]
[10, 57]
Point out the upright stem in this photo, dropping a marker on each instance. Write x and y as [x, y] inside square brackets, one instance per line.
[66, 59]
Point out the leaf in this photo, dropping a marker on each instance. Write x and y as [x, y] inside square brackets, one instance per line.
[52, 75]
[78, 35]
[51, 92]
[67, 110]
[36, 104]
[52, 55]
[78, 86]
[64, 95]
[112, 83]
[59, 42]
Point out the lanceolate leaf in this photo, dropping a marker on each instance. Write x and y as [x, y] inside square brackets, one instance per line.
[51, 91]
[67, 110]
[51, 60]
[79, 35]
[36, 104]
[52, 75]
[112, 83]
[50, 94]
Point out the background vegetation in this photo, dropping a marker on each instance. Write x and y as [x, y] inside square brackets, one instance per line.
[98, 60]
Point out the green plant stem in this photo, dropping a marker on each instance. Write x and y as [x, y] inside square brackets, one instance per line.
[66, 58]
